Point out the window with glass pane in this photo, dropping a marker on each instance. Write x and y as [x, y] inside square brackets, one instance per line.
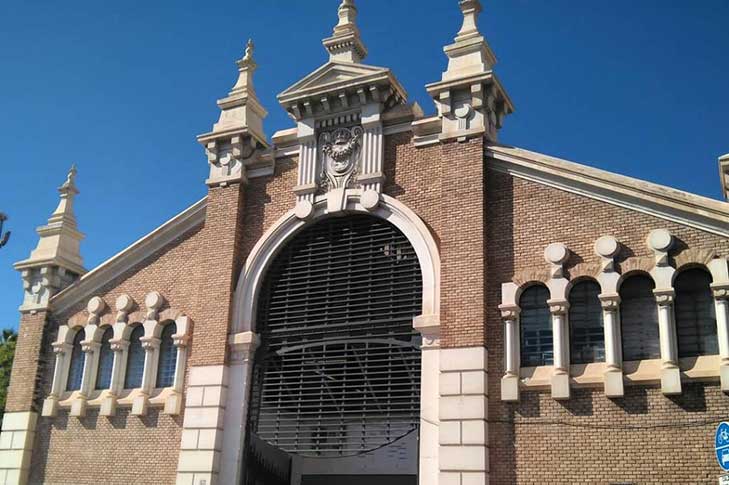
[695, 314]
[135, 360]
[639, 319]
[536, 327]
[106, 360]
[76, 367]
[167, 357]
[587, 334]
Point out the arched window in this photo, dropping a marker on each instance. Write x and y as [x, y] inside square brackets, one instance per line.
[106, 360]
[695, 314]
[587, 334]
[337, 374]
[167, 357]
[76, 367]
[639, 319]
[536, 327]
[135, 360]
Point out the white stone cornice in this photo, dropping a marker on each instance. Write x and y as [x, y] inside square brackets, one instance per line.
[666, 203]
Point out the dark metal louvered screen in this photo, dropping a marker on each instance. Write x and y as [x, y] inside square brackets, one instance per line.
[639, 319]
[587, 332]
[695, 314]
[536, 327]
[338, 372]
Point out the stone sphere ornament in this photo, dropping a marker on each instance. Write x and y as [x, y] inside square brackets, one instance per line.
[660, 240]
[607, 247]
[154, 300]
[556, 253]
[304, 209]
[124, 303]
[370, 199]
[96, 305]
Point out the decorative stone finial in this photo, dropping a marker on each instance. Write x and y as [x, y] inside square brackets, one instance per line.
[345, 45]
[469, 98]
[238, 135]
[56, 261]
[470, 10]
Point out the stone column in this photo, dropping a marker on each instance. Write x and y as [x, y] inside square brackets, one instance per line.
[463, 453]
[108, 405]
[151, 354]
[91, 354]
[613, 346]
[173, 404]
[429, 328]
[670, 373]
[560, 335]
[62, 351]
[242, 349]
[721, 304]
[512, 353]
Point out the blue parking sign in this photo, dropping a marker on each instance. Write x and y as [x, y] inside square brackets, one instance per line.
[721, 443]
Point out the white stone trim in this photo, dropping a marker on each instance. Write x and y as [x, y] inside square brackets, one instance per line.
[463, 411]
[16, 445]
[390, 209]
[664, 202]
[90, 283]
[428, 324]
[561, 375]
[202, 434]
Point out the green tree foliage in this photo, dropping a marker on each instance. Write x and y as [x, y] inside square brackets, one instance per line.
[7, 352]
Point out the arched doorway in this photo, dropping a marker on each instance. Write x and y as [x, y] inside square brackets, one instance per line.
[335, 395]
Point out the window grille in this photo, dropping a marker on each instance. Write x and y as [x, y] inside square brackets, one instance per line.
[536, 327]
[135, 360]
[106, 361]
[695, 314]
[587, 333]
[639, 319]
[167, 357]
[338, 371]
[76, 367]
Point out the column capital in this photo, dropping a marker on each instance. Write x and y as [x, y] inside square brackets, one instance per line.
[90, 346]
[558, 307]
[117, 345]
[664, 297]
[720, 291]
[610, 301]
[150, 343]
[509, 312]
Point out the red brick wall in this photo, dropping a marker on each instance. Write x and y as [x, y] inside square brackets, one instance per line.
[28, 364]
[588, 439]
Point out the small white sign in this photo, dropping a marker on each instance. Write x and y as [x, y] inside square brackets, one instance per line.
[724, 480]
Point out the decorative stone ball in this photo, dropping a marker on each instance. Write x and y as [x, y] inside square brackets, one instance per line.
[607, 247]
[304, 209]
[96, 305]
[660, 240]
[153, 300]
[124, 303]
[556, 253]
[370, 199]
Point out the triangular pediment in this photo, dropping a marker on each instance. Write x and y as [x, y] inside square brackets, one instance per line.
[333, 76]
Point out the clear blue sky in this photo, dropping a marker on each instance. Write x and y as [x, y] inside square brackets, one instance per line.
[639, 87]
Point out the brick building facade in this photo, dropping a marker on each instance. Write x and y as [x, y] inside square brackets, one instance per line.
[537, 279]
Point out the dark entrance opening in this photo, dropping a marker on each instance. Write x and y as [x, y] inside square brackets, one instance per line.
[335, 394]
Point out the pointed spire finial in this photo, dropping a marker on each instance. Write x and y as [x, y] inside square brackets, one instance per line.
[248, 57]
[345, 44]
[70, 184]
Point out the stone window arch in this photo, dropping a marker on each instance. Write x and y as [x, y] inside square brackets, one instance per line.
[537, 342]
[167, 364]
[587, 332]
[695, 315]
[639, 318]
[106, 360]
[135, 359]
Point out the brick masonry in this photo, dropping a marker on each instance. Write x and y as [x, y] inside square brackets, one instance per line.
[589, 438]
[488, 226]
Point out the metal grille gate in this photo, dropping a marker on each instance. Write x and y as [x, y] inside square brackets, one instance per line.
[338, 374]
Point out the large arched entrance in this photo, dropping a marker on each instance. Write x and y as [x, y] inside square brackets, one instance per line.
[335, 394]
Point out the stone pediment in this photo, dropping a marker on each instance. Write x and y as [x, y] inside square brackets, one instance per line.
[341, 83]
